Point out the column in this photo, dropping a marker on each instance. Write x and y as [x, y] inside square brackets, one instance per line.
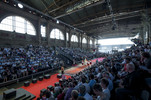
[48, 33]
[88, 43]
[81, 41]
[149, 32]
[65, 37]
[141, 34]
[70, 38]
[79, 37]
[39, 31]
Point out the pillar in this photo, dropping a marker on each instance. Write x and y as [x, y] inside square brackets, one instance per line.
[149, 31]
[65, 37]
[70, 38]
[141, 36]
[48, 33]
[81, 41]
[38, 30]
[88, 43]
[79, 37]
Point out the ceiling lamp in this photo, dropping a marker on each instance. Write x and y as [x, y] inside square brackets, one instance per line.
[57, 22]
[20, 5]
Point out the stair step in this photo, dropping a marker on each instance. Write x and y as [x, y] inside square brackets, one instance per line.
[21, 96]
[27, 96]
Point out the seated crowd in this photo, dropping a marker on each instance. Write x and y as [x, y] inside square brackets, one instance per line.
[120, 76]
[19, 62]
[24, 61]
[77, 54]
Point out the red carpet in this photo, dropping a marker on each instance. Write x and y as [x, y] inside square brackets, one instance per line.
[79, 68]
[35, 88]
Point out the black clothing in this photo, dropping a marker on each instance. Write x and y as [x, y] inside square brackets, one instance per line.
[134, 80]
[133, 85]
[148, 64]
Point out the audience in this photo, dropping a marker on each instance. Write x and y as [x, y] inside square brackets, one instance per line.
[74, 95]
[68, 93]
[100, 81]
[83, 93]
[119, 76]
[97, 89]
[20, 62]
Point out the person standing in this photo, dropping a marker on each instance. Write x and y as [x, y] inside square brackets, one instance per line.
[62, 70]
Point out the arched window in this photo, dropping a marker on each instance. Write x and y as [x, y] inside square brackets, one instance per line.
[84, 40]
[74, 38]
[56, 34]
[67, 36]
[91, 42]
[95, 42]
[43, 31]
[17, 24]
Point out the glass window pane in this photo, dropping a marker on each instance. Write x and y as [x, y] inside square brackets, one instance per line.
[84, 40]
[91, 42]
[43, 31]
[17, 24]
[67, 36]
[57, 34]
[74, 38]
[30, 29]
[6, 24]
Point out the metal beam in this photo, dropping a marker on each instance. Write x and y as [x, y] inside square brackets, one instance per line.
[101, 22]
[44, 11]
[69, 3]
[50, 17]
[43, 2]
[103, 12]
[80, 9]
[106, 28]
[100, 19]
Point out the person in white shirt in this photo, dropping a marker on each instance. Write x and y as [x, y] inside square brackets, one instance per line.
[86, 85]
[106, 75]
[106, 91]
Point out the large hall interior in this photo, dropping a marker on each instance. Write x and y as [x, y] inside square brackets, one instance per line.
[75, 49]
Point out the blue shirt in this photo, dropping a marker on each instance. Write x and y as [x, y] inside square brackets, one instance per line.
[91, 83]
[110, 86]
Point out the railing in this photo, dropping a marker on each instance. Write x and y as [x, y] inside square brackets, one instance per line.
[26, 77]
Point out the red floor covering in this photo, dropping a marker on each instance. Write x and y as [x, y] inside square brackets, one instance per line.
[79, 68]
[35, 88]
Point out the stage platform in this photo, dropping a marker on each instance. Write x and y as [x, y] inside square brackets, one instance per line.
[21, 94]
